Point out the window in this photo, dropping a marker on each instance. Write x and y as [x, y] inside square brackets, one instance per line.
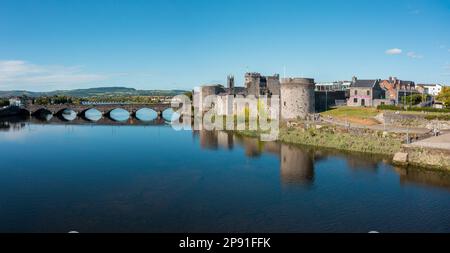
[355, 100]
[368, 93]
[356, 92]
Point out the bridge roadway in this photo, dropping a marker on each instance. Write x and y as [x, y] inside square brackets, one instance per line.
[103, 108]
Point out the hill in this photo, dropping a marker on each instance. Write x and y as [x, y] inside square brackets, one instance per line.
[94, 92]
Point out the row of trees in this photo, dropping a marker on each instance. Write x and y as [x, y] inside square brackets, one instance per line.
[55, 100]
[414, 99]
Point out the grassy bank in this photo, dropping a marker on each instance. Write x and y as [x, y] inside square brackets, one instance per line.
[330, 137]
[366, 143]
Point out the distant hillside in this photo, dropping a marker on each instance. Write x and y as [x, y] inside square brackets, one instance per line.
[93, 92]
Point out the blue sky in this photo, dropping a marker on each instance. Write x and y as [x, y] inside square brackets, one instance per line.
[167, 44]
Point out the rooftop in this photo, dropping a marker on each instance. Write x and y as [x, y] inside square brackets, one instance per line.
[364, 83]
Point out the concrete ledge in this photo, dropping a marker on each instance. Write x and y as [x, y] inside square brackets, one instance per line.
[400, 158]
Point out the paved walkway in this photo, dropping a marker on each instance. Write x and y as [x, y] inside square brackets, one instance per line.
[440, 142]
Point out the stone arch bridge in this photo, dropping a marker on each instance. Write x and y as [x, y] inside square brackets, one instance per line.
[105, 109]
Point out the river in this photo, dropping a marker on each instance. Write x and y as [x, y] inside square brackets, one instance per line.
[57, 177]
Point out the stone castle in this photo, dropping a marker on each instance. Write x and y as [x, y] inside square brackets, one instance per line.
[296, 95]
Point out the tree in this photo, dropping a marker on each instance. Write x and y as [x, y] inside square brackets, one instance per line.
[414, 99]
[444, 96]
[4, 102]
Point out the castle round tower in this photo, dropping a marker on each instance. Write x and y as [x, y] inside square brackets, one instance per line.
[297, 98]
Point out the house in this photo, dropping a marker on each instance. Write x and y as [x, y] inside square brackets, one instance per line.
[365, 93]
[431, 89]
[395, 88]
[15, 101]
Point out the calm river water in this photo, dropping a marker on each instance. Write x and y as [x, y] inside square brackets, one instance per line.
[129, 178]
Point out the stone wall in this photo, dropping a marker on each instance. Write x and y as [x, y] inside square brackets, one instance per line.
[413, 120]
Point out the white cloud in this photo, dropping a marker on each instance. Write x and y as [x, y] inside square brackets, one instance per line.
[393, 51]
[414, 55]
[17, 74]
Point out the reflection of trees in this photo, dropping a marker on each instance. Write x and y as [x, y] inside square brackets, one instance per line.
[432, 178]
[11, 126]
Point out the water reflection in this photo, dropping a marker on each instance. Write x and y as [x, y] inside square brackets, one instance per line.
[296, 164]
[417, 176]
[93, 114]
[164, 181]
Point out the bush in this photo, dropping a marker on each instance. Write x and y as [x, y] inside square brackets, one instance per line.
[438, 117]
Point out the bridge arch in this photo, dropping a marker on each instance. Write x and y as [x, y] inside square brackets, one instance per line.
[118, 114]
[43, 114]
[91, 114]
[169, 114]
[66, 114]
[146, 114]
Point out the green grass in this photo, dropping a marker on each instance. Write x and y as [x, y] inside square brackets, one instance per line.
[326, 137]
[413, 109]
[348, 111]
[343, 141]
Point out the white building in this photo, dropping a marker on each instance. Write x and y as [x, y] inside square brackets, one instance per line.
[432, 89]
[15, 102]
[332, 86]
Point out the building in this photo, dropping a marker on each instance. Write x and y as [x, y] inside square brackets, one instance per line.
[333, 86]
[431, 89]
[297, 98]
[296, 95]
[259, 85]
[395, 88]
[14, 101]
[365, 92]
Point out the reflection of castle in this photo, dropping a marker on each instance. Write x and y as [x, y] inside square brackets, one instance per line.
[296, 166]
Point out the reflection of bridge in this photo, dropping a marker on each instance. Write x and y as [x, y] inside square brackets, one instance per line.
[105, 109]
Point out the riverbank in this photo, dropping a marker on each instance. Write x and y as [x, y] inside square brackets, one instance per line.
[364, 141]
[358, 140]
